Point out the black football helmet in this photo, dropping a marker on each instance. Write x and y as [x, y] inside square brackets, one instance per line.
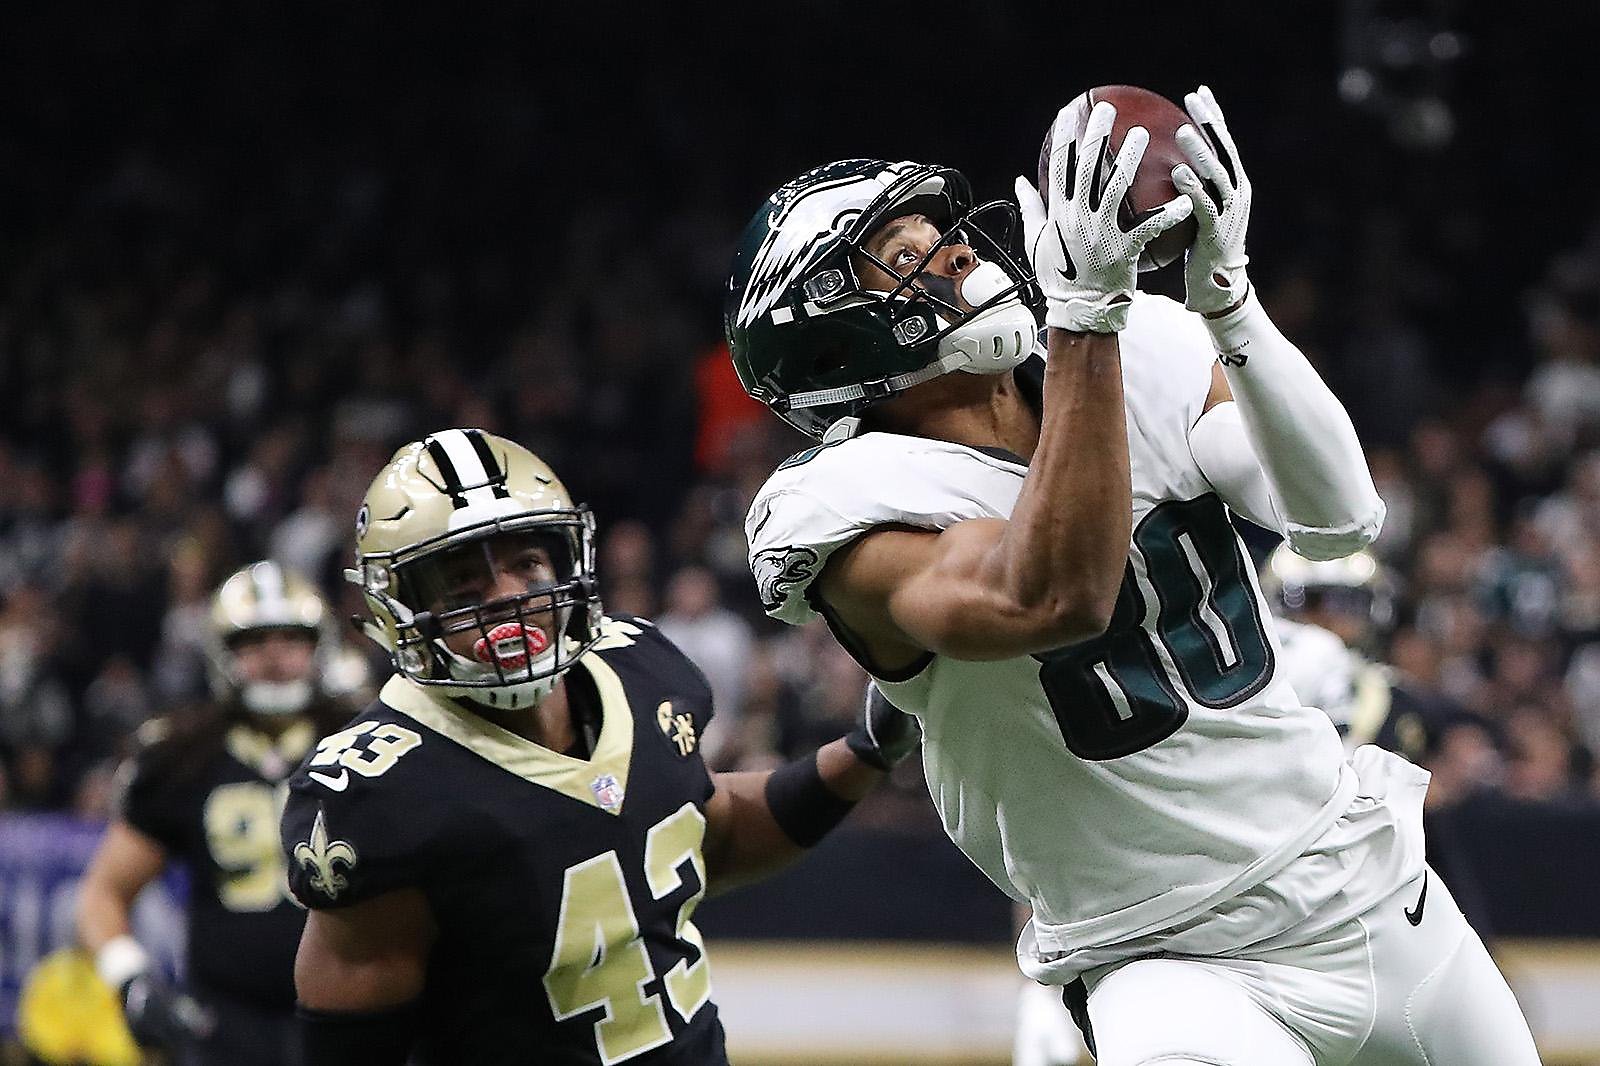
[812, 343]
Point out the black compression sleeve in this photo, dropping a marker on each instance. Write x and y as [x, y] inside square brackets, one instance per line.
[356, 1038]
[802, 804]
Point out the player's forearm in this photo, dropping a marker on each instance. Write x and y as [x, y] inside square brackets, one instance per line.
[1066, 542]
[102, 915]
[1306, 443]
[757, 829]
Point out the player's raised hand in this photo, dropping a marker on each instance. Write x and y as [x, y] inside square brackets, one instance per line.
[1215, 183]
[1086, 263]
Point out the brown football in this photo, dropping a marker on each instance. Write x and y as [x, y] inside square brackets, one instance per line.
[1152, 186]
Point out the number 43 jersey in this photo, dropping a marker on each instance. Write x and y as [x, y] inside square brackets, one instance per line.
[562, 888]
[1126, 783]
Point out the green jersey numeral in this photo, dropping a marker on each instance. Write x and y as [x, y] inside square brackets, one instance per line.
[1116, 694]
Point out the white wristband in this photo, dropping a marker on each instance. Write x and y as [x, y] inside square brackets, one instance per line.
[1108, 314]
[120, 960]
[1232, 333]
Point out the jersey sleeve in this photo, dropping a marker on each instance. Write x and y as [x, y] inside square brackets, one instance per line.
[824, 498]
[146, 796]
[348, 836]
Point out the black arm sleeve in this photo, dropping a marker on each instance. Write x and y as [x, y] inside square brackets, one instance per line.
[350, 1038]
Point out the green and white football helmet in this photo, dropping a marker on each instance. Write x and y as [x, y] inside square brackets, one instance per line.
[810, 341]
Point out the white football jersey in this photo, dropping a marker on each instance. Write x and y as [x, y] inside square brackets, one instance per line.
[1125, 783]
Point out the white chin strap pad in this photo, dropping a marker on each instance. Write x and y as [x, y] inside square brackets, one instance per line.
[984, 282]
[995, 340]
[513, 695]
[275, 697]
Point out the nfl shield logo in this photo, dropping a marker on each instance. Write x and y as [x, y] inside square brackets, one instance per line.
[607, 792]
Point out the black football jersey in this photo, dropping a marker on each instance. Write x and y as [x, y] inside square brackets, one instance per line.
[562, 887]
[214, 806]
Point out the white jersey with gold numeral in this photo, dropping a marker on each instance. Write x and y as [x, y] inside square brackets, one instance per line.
[1122, 784]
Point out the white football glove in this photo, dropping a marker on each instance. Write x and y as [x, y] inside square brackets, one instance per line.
[1046, 1034]
[1213, 274]
[1085, 263]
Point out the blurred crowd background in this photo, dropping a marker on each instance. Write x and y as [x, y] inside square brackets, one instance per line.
[245, 254]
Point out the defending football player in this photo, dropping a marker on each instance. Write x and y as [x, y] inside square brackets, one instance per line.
[502, 855]
[1037, 561]
[206, 790]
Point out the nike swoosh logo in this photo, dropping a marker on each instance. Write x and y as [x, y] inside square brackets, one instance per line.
[1415, 916]
[340, 783]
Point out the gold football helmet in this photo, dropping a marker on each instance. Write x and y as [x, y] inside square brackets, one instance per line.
[430, 516]
[259, 597]
[1357, 587]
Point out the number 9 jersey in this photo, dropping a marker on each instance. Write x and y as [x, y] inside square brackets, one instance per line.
[562, 887]
[1123, 784]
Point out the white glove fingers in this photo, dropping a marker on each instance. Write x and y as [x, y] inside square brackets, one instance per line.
[1063, 158]
[1158, 220]
[1202, 158]
[1092, 164]
[1126, 167]
[1101, 120]
[1031, 206]
[1202, 107]
[1205, 208]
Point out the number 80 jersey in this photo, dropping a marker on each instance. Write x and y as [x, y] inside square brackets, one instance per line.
[1126, 783]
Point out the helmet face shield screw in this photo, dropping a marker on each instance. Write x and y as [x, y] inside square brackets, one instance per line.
[825, 286]
[911, 331]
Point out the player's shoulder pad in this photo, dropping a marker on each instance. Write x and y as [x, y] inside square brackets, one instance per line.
[360, 814]
[638, 649]
[826, 496]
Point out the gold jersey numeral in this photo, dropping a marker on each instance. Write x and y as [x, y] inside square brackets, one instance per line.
[600, 961]
[241, 823]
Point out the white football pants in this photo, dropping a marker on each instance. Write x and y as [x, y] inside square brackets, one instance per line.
[1375, 991]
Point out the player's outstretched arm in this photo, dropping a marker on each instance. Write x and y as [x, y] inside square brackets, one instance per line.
[1322, 496]
[357, 977]
[124, 863]
[759, 822]
[1048, 575]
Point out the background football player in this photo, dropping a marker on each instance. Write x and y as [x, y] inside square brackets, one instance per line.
[1046, 575]
[503, 853]
[1332, 617]
[205, 790]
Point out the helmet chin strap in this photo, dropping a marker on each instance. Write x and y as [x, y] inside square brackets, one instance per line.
[519, 695]
[998, 338]
[273, 698]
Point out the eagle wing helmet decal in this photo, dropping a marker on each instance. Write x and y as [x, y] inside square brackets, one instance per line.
[805, 219]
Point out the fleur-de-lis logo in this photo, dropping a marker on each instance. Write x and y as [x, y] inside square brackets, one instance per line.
[319, 855]
[679, 728]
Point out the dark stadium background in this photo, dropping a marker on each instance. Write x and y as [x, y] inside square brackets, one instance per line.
[245, 250]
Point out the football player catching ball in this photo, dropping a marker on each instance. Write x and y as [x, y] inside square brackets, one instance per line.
[1035, 557]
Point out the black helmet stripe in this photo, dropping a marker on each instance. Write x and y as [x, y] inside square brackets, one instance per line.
[497, 480]
[466, 463]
